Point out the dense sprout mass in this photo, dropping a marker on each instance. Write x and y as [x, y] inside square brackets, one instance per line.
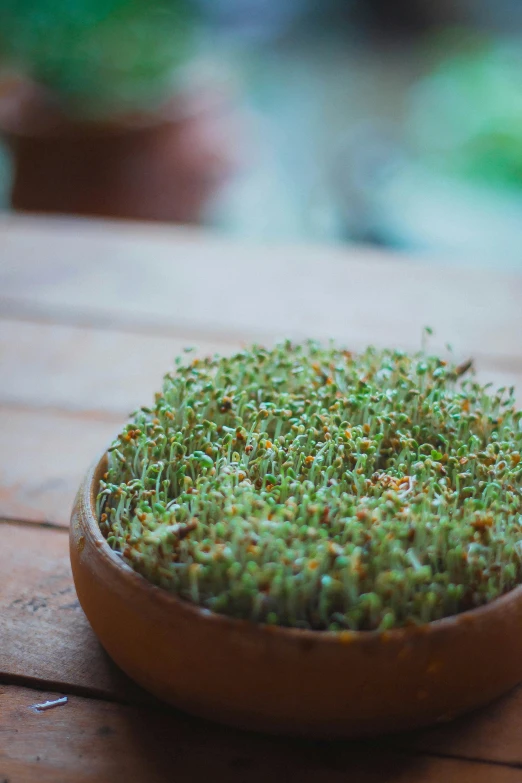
[306, 487]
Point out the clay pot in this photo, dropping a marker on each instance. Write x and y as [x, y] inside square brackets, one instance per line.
[288, 680]
[163, 166]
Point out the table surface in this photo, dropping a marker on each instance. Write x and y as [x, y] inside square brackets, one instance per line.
[91, 316]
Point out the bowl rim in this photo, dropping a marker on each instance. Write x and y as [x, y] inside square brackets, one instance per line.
[87, 514]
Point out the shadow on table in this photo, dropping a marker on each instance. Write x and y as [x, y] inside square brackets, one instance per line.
[173, 745]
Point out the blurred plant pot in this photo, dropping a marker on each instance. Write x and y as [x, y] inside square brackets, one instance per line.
[160, 166]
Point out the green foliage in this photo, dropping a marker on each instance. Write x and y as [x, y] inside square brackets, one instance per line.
[306, 487]
[467, 113]
[97, 56]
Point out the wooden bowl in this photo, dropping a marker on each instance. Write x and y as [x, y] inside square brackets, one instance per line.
[348, 684]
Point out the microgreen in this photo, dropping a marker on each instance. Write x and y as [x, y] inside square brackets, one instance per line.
[304, 486]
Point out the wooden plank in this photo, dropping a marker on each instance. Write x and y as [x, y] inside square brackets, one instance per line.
[78, 368]
[44, 453]
[75, 368]
[43, 456]
[37, 603]
[44, 635]
[161, 278]
[86, 740]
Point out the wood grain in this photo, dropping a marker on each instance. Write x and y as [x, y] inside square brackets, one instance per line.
[84, 369]
[44, 635]
[91, 314]
[86, 740]
[43, 456]
[202, 286]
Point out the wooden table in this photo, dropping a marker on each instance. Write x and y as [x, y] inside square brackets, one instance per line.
[91, 315]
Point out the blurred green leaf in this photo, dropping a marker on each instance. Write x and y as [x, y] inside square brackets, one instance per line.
[467, 112]
[98, 56]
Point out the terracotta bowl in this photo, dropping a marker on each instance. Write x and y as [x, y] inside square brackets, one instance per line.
[287, 680]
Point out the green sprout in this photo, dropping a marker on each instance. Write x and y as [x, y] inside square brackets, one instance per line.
[307, 487]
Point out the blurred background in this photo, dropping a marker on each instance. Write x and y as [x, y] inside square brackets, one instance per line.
[390, 123]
